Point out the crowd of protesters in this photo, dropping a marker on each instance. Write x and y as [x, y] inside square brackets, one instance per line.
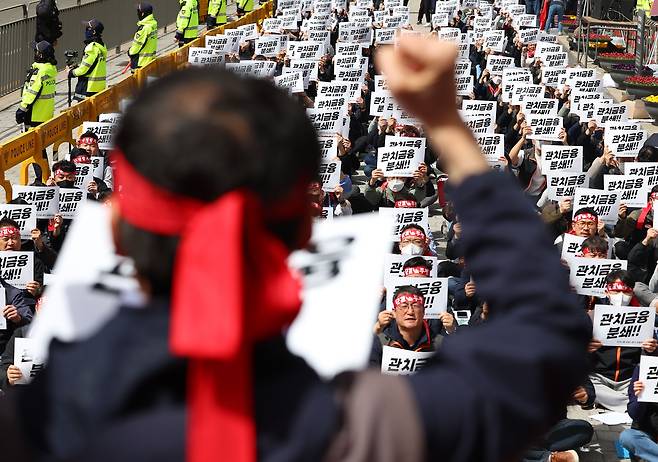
[325, 55]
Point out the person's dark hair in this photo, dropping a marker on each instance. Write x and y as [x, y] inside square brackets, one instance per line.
[589, 210]
[412, 290]
[414, 226]
[414, 262]
[648, 153]
[623, 275]
[18, 201]
[75, 152]
[4, 222]
[653, 190]
[203, 132]
[449, 212]
[595, 244]
[89, 134]
[65, 166]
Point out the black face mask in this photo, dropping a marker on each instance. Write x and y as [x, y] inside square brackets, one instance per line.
[66, 184]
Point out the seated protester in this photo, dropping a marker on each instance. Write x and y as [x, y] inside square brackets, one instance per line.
[96, 185]
[405, 327]
[63, 176]
[335, 200]
[417, 267]
[10, 373]
[10, 240]
[585, 223]
[464, 293]
[647, 294]
[642, 257]
[640, 439]
[89, 142]
[557, 215]
[527, 164]
[384, 192]
[480, 315]
[592, 247]
[612, 367]
[18, 311]
[633, 226]
[413, 241]
[605, 164]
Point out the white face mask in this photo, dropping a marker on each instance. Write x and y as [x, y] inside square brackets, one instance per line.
[411, 249]
[395, 185]
[620, 299]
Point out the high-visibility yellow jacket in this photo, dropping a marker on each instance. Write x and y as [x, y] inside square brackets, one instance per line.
[246, 5]
[644, 5]
[145, 42]
[38, 97]
[187, 23]
[93, 67]
[217, 9]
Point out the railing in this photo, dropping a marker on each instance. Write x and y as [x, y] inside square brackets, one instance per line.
[118, 16]
[26, 148]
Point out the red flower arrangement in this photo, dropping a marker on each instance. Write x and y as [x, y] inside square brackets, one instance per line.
[617, 56]
[598, 38]
[642, 81]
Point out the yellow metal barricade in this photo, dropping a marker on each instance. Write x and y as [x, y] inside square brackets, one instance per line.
[15, 151]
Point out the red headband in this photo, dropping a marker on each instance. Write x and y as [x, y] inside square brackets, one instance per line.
[412, 232]
[9, 231]
[88, 140]
[416, 270]
[216, 314]
[618, 286]
[82, 160]
[585, 216]
[406, 204]
[588, 251]
[407, 298]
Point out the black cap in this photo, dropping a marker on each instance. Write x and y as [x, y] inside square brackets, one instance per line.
[44, 47]
[95, 25]
[145, 7]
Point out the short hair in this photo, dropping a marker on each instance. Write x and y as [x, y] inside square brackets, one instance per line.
[417, 261]
[413, 226]
[65, 166]
[5, 222]
[221, 132]
[595, 244]
[623, 275]
[589, 210]
[412, 290]
[653, 190]
[648, 153]
[75, 152]
[89, 134]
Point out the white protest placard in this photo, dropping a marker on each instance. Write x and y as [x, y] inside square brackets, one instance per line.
[546, 128]
[293, 82]
[337, 88]
[24, 215]
[399, 161]
[104, 131]
[268, 46]
[308, 68]
[84, 174]
[474, 106]
[326, 122]
[606, 203]
[351, 75]
[397, 361]
[649, 378]
[585, 108]
[222, 43]
[574, 73]
[354, 32]
[462, 68]
[435, 291]
[264, 69]
[625, 326]
[563, 185]
[305, 50]
[393, 22]
[17, 267]
[384, 36]
[552, 60]
[528, 35]
[379, 103]
[333, 284]
[328, 147]
[330, 103]
[401, 217]
[494, 40]
[539, 107]
[577, 97]
[440, 20]
[110, 117]
[546, 37]
[464, 85]
[648, 170]
[525, 20]
[405, 142]
[497, 64]
[26, 359]
[624, 143]
[515, 74]
[327, 213]
[557, 159]
[393, 264]
[522, 92]
[69, 201]
[493, 148]
[543, 48]
[571, 245]
[250, 31]
[45, 199]
[633, 189]
[236, 38]
[551, 76]
[586, 85]
[449, 34]
[205, 56]
[479, 123]
[587, 275]
[348, 49]
[329, 173]
[272, 25]
[241, 68]
[99, 166]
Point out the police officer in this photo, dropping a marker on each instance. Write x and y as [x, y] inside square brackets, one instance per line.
[145, 43]
[92, 71]
[38, 97]
[244, 7]
[216, 13]
[187, 22]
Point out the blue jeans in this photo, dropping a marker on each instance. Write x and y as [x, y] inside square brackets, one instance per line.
[532, 6]
[554, 10]
[639, 444]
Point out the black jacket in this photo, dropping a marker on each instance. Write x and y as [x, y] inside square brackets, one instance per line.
[49, 27]
[431, 335]
[644, 415]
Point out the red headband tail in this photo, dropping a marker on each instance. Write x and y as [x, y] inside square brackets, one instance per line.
[218, 309]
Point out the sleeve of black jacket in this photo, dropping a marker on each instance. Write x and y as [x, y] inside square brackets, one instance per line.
[492, 389]
[23, 302]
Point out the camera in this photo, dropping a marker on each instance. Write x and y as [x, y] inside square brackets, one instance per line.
[70, 55]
